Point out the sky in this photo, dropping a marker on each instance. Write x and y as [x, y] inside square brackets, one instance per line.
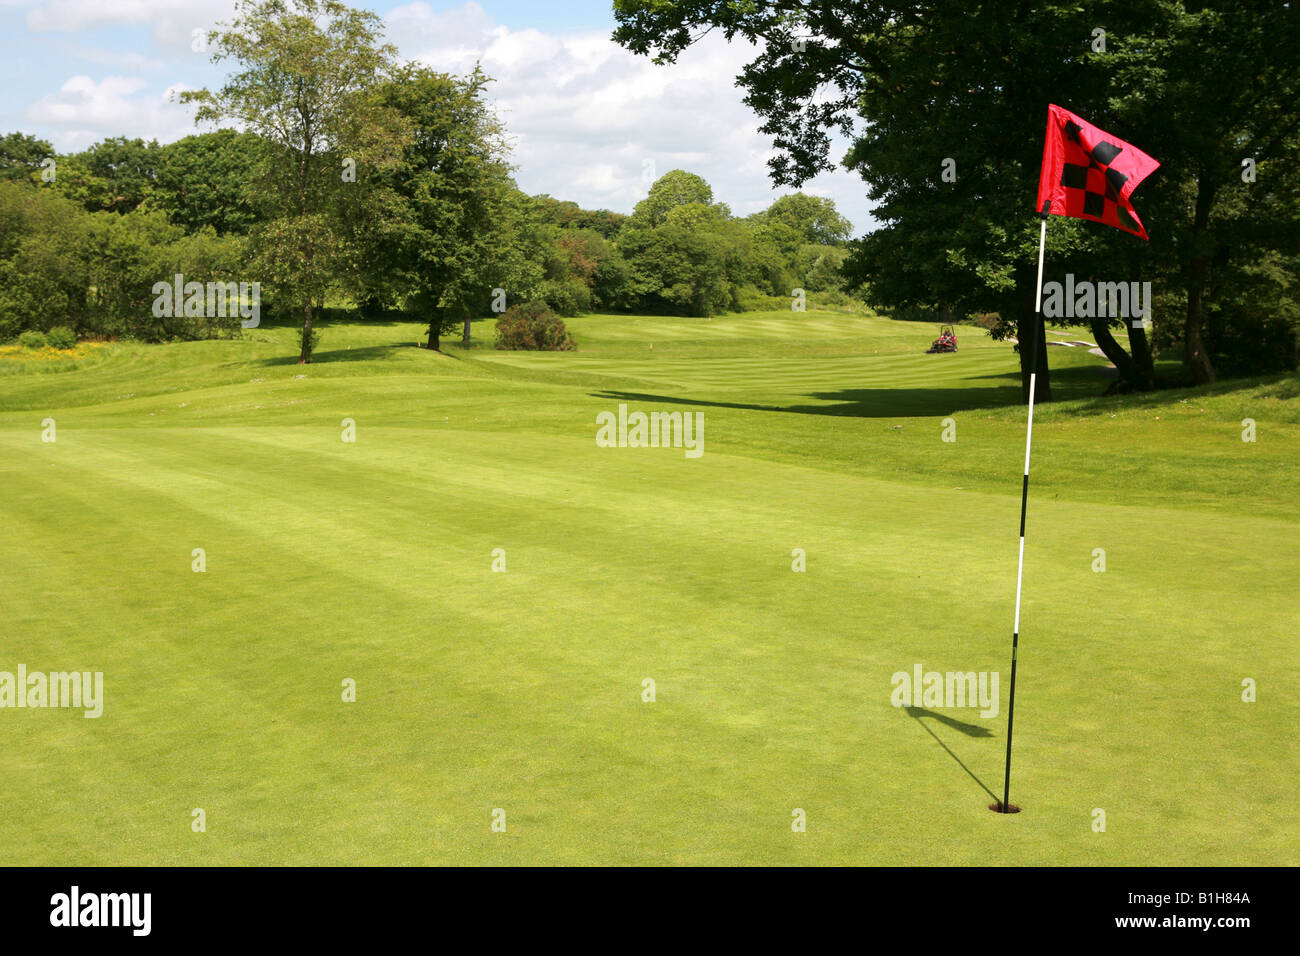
[589, 121]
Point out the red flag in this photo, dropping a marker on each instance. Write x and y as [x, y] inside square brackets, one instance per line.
[1089, 174]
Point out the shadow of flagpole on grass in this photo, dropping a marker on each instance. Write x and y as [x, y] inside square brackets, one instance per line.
[970, 730]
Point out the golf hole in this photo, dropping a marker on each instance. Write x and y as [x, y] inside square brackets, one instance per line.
[996, 807]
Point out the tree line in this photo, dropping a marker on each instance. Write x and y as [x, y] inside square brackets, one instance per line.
[348, 174]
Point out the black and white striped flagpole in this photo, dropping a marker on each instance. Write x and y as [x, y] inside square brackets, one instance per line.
[1024, 499]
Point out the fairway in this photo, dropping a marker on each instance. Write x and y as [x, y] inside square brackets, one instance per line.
[523, 689]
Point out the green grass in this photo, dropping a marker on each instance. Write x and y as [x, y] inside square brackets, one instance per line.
[478, 690]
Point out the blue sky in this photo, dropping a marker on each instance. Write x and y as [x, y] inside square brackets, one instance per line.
[590, 122]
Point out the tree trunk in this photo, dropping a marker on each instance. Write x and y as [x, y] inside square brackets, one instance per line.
[305, 357]
[1029, 329]
[1144, 368]
[1197, 359]
[434, 331]
[1194, 344]
[465, 338]
[304, 165]
[1122, 361]
[1139, 346]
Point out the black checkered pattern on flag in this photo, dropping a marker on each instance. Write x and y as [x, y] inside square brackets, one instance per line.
[1089, 174]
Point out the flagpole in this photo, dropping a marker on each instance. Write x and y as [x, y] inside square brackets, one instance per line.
[1024, 499]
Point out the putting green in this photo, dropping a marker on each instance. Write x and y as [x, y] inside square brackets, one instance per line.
[478, 690]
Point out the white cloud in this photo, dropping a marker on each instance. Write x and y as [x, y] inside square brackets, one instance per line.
[171, 22]
[86, 111]
[585, 114]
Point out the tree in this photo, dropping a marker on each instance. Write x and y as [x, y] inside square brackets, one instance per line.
[203, 180]
[682, 248]
[43, 260]
[815, 218]
[434, 238]
[676, 188]
[596, 264]
[614, 283]
[71, 176]
[309, 73]
[569, 215]
[127, 167]
[1211, 85]
[127, 253]
[95, 272]
[21, 157]
[680, 269]
[114, 175]
[821, 267]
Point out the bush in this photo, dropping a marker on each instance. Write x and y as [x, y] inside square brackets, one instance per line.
[751, 299]
[31, 339]
[61, 337]
[614, 285]
[836, 298]
[533, 327]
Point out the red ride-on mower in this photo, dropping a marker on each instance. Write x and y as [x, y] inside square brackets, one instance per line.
[946, 342]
